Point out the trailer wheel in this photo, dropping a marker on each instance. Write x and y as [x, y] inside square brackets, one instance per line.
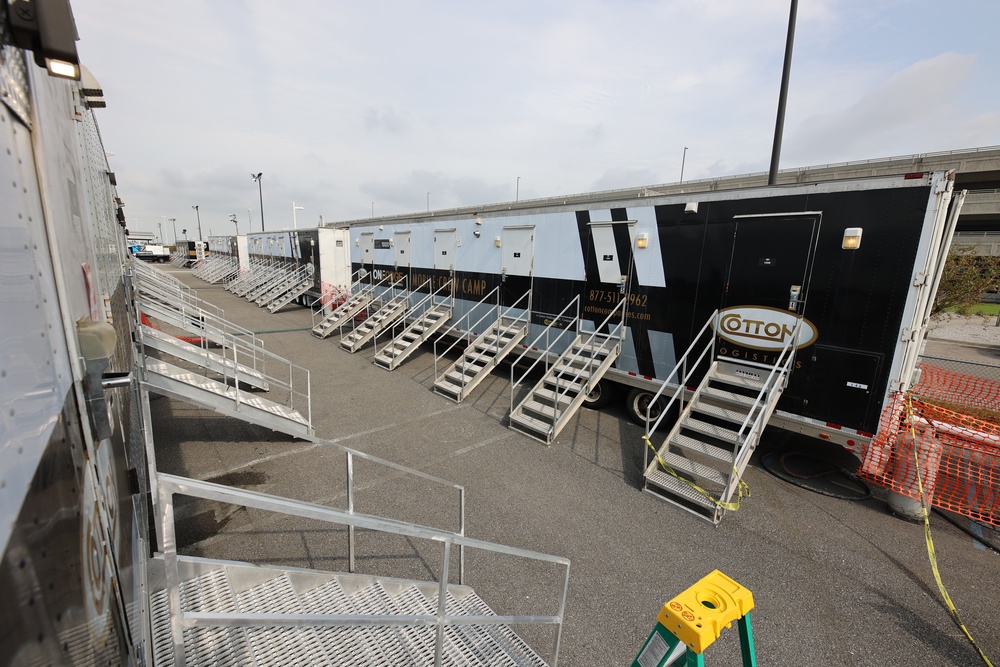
[638, 401]
[602, 395]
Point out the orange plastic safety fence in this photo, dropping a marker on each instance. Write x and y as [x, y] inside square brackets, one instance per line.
[958, 454]
[975, 396]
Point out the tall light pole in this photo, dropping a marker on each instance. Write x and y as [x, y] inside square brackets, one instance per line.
[428, 202]
[160, 225]
[683, 159]
[173, 221]
[295, 224]
[786, 71]
[249, 222]
[517, 189]
[198, 213]
[260, 192]
[232, 218]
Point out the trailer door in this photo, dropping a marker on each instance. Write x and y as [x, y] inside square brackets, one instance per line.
[609, 268]
[518, 257]
[401, 242]
[771, 261]
[445, 242]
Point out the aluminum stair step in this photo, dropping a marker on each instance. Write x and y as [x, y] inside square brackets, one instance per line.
[295, 292]
[717, 456]
[341, 314]
[667, 487]
[186, 385]
[412, 337]
[466, 373]
[734, 416]
[702, 475]
[713, 430]
[164, 342]
[541, 400]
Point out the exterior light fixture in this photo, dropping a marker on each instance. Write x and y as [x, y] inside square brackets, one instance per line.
[852, 238]
[496, 241]
[642, 240]
[48, 30]
[477, 233]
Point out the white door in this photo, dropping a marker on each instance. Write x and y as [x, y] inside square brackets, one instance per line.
[444, 249]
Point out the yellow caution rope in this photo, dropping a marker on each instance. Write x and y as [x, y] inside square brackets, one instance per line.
[743, 489]
[931, 554]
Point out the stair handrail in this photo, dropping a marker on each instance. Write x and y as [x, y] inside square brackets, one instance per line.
[501, 315]
[277, 275]
[573, 324]
[411, 309]
[392, 288]
[240, 349]
[414, 312]
[293, 280]
[619, 332]
[324, 299]
[682, 373]
[469, 328]
[168, 485]
[778, 377]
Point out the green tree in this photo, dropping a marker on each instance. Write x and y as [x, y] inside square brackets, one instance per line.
[965, 278]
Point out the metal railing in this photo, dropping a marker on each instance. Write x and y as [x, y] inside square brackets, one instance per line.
[392, 289]
[685, 369]
[327, 302]
[170, 485]
[468, 333]
[415, 311]
[573, 325]
[591, 362]
[289, 384]
[289, 281]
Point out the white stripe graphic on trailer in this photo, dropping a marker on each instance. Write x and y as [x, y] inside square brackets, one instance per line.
[608, 267]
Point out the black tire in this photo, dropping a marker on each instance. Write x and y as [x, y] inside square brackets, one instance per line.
[603, 394]
[637, 402]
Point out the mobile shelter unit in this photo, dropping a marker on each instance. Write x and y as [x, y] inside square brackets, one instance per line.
[814, 297]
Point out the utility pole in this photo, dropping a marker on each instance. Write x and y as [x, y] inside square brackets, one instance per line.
[786, 70]
[198, 213]
[260, 192]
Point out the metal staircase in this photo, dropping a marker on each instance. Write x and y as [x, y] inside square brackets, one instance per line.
[556, 397]
[217, 379]
[483, 352]
[699, 465]
[295, 286]
[200, 355]
[387, 314]
[326, 319]
[212, 612]
[426, 317]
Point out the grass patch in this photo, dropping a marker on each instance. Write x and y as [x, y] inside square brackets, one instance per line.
[987, 309]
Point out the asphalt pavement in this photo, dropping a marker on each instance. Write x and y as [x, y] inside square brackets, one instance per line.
[835, 582]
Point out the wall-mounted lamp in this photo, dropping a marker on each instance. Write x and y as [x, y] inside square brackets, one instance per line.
[479, 222]
[381, 227]
[477, 233]
[496, 241]
[48, 30]
[357, 243]
[392, 243]
[642, 240]
[852, 238]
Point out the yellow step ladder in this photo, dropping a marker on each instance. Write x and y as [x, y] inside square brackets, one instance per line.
[690, 622]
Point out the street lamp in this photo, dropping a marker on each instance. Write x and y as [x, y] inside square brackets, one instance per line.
[198, 213]
[173, 221]
[185, 233]
[260, 191]
[232, 218]
[683, 158]
[517, 189]
[295, 224]
[160, 225]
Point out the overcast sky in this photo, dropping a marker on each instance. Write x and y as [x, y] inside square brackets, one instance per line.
[353, 107]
